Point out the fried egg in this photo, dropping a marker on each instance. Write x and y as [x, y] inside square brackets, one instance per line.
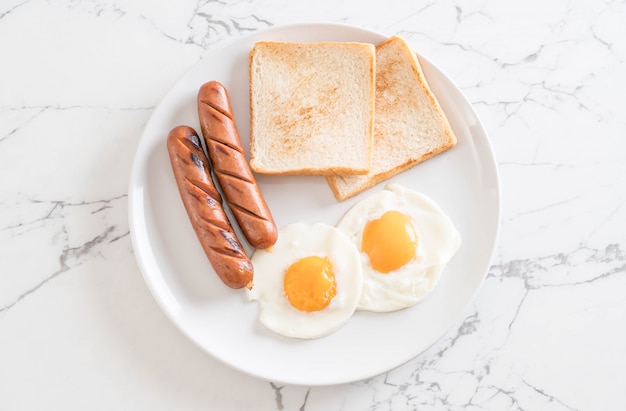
[405, 240]
[308, 284]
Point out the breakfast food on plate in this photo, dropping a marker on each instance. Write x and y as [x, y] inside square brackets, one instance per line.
[311, 107]
[409, 124]
[202, 202]
[308, 286]
[355, 114]
[405, 240]
[231, 167]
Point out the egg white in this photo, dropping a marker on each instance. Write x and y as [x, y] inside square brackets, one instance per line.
[438, 241]
[296, 241]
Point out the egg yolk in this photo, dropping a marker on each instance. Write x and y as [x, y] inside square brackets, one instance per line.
[310, 283]
[390, 241]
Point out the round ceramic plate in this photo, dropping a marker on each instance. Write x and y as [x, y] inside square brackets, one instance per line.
[463, 181]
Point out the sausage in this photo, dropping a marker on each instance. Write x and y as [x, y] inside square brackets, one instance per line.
[203, 204]
[231, 167]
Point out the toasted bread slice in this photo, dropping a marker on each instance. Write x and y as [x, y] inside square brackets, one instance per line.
[409, 124]
[311, 107]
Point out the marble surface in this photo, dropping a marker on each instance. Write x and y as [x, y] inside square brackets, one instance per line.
[78, 326]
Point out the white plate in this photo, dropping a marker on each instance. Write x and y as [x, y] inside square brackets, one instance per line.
[464, 181]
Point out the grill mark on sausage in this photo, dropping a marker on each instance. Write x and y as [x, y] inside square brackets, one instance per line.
[198, 197]
[215, 222]
[218, 113]
[191, 141]
[222, 251]
[222, 110]
[193, 153]
[234, 251]
[197, 160]
[207, 189]
[247, 211]
[227, 149]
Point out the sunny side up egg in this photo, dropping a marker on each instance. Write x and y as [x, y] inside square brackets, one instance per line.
[405, 241]
[308, 285]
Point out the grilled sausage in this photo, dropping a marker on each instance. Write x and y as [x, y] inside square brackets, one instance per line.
[203, 204]
[231, 167]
